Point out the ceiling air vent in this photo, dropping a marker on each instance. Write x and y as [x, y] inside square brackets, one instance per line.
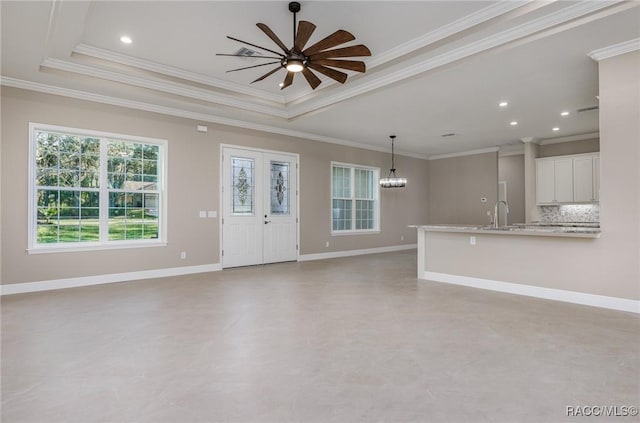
[587, 109]
[450, 134]
[243, 51]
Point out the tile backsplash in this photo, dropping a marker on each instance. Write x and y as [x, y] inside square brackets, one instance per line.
[570, 213]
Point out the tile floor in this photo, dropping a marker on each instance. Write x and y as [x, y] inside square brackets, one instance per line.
[340, 340]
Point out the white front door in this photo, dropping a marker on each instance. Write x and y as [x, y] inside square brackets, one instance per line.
[259, 220]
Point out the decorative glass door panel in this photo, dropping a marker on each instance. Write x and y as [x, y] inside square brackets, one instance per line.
[243, 186]
[279, 188]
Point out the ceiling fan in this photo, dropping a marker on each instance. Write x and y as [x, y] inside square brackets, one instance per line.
[300, 59]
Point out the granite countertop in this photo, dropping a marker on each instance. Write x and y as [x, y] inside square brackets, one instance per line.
[566, 224]
[537, 229]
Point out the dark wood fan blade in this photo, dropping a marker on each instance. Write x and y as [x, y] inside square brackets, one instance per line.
[271, 72]
[339, 37]
[352, 51]
[273, 36]
[353, 65]
[311, 78]
[341, 77]
[254, 66]
[288, 80]
[256, 46]
[249, 57]
[305, 29]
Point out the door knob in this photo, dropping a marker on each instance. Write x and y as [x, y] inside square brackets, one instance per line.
[267, 221]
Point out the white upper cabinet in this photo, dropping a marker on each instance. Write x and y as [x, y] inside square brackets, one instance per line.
[564, 180]
[583, 179]
[568, 179]
[545, 182]
[596, 178]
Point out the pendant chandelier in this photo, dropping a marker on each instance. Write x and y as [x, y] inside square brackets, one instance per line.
[392, 181]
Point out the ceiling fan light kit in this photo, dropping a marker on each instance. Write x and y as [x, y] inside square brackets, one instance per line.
[393, 181]
[321, 56]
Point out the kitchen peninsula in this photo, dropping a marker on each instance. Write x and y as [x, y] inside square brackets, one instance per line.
[536, 260]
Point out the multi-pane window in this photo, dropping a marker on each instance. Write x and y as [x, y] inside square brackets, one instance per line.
[354, 198]
[92, 189]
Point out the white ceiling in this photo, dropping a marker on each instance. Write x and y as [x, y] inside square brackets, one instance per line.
[436, 67]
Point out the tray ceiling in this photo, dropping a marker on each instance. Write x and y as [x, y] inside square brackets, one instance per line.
[438, 67]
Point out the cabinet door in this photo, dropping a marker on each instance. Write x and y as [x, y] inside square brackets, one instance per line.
[563, 169]
[596, 178]
[545, 182]
[583, 179]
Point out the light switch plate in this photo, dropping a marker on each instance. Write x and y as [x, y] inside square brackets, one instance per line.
[203, 213]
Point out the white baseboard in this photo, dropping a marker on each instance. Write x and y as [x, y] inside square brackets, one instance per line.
[20, 288]
[614, 303]
[349, 253]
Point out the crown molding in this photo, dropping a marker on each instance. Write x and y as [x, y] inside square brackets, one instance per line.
[360, 86]
[53, 18]
[201, 117]
[615, 50]
[457, 26]
[530, 140]
[464, 153]
[550, 21]
[579, 137]
[164, 86]
[148, 65]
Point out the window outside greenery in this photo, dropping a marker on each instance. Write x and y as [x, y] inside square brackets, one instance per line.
[78, 203]
[354, 198]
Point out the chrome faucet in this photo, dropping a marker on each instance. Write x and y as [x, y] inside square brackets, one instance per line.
[496, 220]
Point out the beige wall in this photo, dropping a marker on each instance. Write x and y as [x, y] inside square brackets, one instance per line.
[570, 147]
[620, 167]
[457, 184]
[511, 170]
[609, 265]
[193, 185]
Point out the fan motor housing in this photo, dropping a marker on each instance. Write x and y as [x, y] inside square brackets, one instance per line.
[294, 7]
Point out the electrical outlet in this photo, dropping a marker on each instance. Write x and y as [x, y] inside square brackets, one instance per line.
[327, 244]
[212, 214]
[401, 237]
[472, 240]
[183, 255]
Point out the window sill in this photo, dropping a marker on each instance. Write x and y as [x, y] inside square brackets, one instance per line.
[364, 232]
[93, 247]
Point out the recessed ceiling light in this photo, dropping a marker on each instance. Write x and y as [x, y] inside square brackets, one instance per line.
[503, 104]
[564, 114]
[513, 123]
[555, 129]
[125, 39]
[281, 84]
